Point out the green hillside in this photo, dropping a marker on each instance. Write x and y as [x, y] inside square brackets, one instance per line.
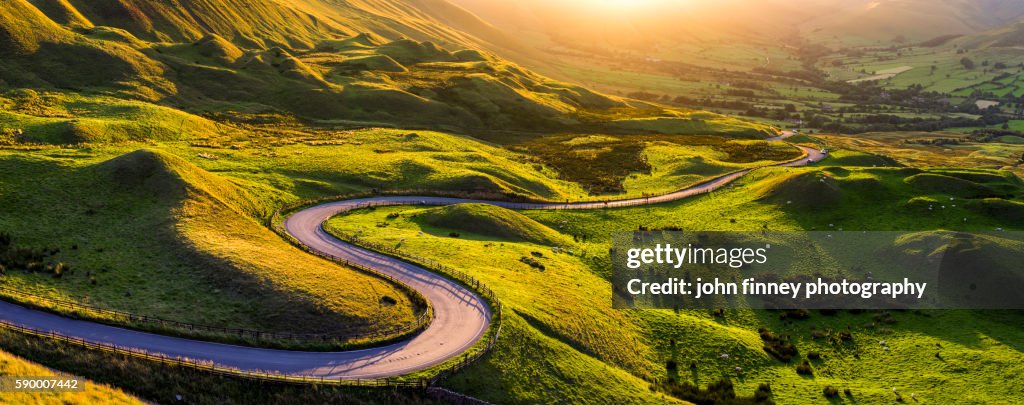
[309, 60]
[151, 233]
[489, 221]
[561, 327]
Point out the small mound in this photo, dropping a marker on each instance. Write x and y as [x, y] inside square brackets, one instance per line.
[409, 52]
[217, 48]
[169, 178]
[492, 221]
[938, 183]
[364, 40]
[470, 55]
[857, 159]
[805, 191]
[145, 172]
[1003, 210]
[381, 63]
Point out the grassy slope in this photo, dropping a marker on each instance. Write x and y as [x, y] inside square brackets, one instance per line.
[11, 365]
[635, 165]
[300, 59]
[569, 304]
[894, 146]
[158, 234]
[488, 220]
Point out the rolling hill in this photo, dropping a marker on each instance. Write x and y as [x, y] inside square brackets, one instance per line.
[354, 63]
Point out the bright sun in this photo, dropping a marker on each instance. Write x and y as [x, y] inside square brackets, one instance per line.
[634, 4]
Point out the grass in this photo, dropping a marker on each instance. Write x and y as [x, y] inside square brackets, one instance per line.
[632, 165]
[566, 302]
[297, 61]
[11, 365]
[948, 75]
[933, 150]
[151, 233]
[156, 383]
[488, 220]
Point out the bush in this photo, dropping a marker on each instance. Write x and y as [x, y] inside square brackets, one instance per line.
[804, 368]
[763, 392]
[720, 392]
[778, 347]
[795, 314]
[813, 356]
[454, 234]
[830, 392]
[532, 263]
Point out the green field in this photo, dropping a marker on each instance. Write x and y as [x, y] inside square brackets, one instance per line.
[569, 305]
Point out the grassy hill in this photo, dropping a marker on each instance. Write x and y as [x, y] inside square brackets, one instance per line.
[563, 315]
[151, 233]
[559, 326]
[489, 221]
[360, 63]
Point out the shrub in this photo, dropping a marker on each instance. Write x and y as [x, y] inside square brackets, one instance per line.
[763, 392]
[795, 314]
[778, 347]
[804, 368]
[532, 263]
[720, 392]
[830, 392]
[813, 356]
[393, 215]
[454, 234]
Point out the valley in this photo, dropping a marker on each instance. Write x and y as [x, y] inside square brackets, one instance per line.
[406, 201]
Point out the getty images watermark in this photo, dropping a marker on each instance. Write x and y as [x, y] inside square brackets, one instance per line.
[818, 270]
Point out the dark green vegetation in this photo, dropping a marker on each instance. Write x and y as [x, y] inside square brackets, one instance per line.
[164, 384]
[601, 164]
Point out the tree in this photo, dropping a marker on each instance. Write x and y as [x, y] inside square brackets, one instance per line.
[968, 63]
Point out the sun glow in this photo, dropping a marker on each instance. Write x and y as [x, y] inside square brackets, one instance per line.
[634, 4]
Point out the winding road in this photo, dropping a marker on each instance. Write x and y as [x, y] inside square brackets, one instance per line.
[461, 318]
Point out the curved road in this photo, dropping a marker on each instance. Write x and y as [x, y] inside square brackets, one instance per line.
[461, 318]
